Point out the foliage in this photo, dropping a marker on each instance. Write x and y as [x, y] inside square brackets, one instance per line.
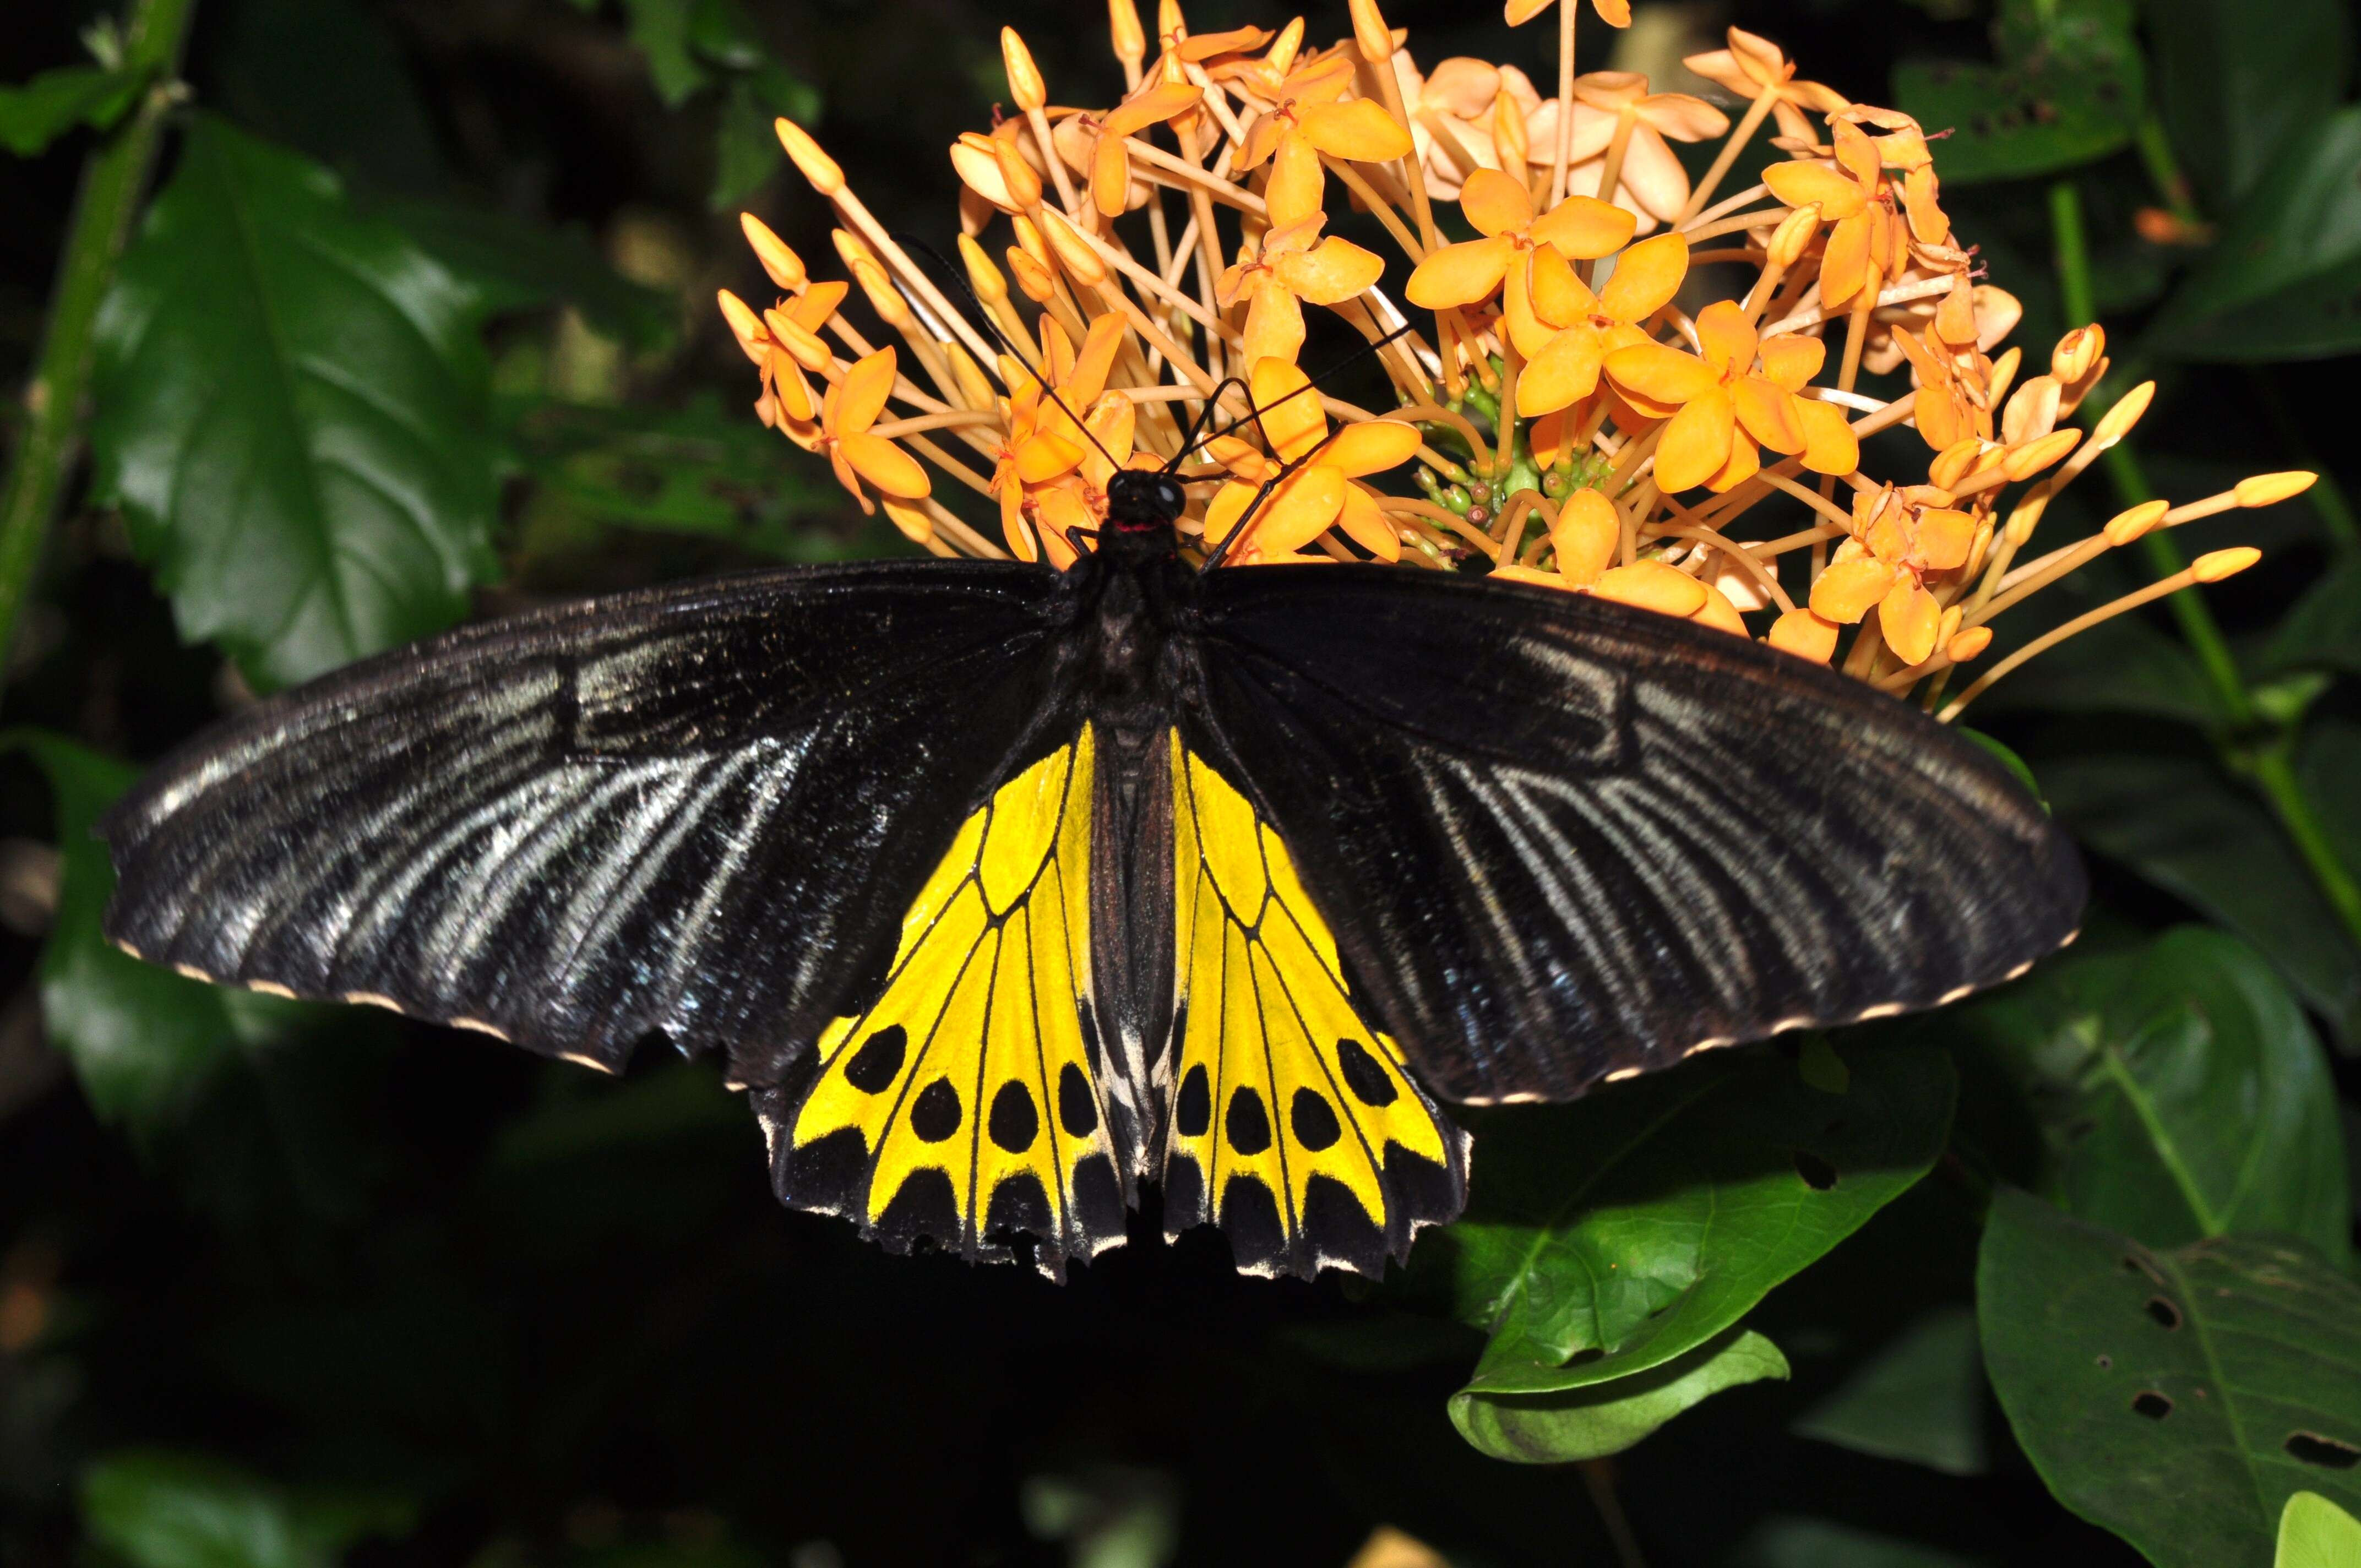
[416, 325]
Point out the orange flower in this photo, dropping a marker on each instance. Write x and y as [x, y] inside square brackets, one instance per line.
[848, 411]
[1321, 494]
[1651, 180]
[1614, 13]
[1110, 164]
[1871, 232]
[1566, 331]
[1579, 229]
[783, 343]
[1721, 405]
[1293, 264]
[1753, 66]
[1459, 113]
[1900, 538]
[1313, 117]
[1044, 446]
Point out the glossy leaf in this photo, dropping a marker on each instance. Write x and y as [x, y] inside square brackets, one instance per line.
[745, 150]
[2322, 631]
[35, 114]
[1608, 1418]
[2328, 764]
[2125, 666]
[513, 265]
[2280, 281]
[2068, 89]
[2176, 1397]
[172, 1510]
[2186, 826]
[1920, 1399]
[1793, 1542]
[1614, 1234]
[2234, 90]
[660, 29]
[2316, 1533]
[292, 412]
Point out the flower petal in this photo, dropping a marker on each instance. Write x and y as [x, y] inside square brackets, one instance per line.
[1806, 634]
[1645, 279]
[1844, 266]
[1661, 372]
[1718, 613]
[1358, 129]
[1564, 372]
[1228, 505]
[1696, 445]
[1299, 510]
[1496, 204]
[1462, 274]
[1769, 413]
[1791, 359]
[1810, 184]
[1745, 462]
[1727, 338]
[1846, 590]
[1110, 175]
[1274, 325]
[1043, 458]
[1586, 535]
[1559, 297]
[893, 471]
[1908, 618]
[1652, 584]
[1331, 272]
[1365, 523]
[1526, 330]
[860, 396]
[1291, 416]
[1370, 447]
[1829, 444]
[1584, 227]
[1945, 535]
[1297, 184]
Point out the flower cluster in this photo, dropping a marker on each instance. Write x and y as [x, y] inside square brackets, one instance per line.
[1606, 378]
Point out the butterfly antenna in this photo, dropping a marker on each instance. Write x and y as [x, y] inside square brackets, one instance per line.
[917, 247]
[1254, 508]
[1205, 411]
[1372, 346]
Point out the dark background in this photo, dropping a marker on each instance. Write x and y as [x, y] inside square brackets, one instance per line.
[530, 1316]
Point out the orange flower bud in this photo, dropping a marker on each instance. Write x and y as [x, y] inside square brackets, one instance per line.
[2270, 489]
[785, 267]
[2117, 422]
[2128, 525]
[1074, 253]
[986, 279]
[2076, 352]
[2217, 565]
[1025, 85]
[1967, 644]
[1794, 236]
[745, 326]
[1122, 27]
[1375, 39]
[815, 166]
[1016, 173]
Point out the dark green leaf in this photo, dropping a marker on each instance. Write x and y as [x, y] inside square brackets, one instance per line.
[2184, 825]
[2316, 1533]
[2328, 766]
[2068, 89]
[172, 1510]
[2233, 94]
[2009, 759]
[1620, 1232]
[143, 1041]
[1920, 1399]
[1608, 1418]
[364, 119]
[2176, 1397]
[2125, 666]
[1822, 1543]
[660, 30]
[2281, 281]
[722, 32]
[746, 150]
[515, 265]
[294, 412]
[37, 113]
[2323, 631]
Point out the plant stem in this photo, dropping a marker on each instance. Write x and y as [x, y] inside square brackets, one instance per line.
[2269, 766]
[2164, 169]
[112, 182]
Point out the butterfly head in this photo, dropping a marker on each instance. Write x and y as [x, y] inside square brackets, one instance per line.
[1142, 502]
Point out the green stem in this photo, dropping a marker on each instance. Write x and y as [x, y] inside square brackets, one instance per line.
[2269, 765]
[2164, 169]
[112, 183]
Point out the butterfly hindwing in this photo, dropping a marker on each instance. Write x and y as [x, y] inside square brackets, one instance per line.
[688, 809]
[1563, 839]
[1291, 1121]
[964, 1102]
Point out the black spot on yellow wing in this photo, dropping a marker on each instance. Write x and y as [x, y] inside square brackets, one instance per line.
[1293, 1124]
[923, 1117]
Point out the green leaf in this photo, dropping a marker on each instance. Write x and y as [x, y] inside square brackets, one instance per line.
[1919, 1398]
[514, 264]
[1615, 1234]
[1608, 1418]
[2008, 759]
[293, 406]
[2180, 1398]
[38, 112]
[2280, 281]
[2233, 94]
[2327, 764]
[2316, 1533]
[2123, 665]
[143, 1041]
[2323, 631]
[1792, 1542]
[661, 30]
[2068, 88]
[173, 1510]
[746, 150]
[2182, 824]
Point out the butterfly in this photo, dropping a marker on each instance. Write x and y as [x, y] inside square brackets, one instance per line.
[1006, 890]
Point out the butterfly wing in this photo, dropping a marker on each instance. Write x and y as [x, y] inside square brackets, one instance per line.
[693, 810]
[1562, 840]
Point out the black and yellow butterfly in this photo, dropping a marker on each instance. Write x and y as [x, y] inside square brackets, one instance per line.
[1005, 890]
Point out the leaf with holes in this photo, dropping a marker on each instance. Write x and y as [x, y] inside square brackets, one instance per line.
[2177, 1398]
[293, 412]
[1612, 1236]
[2068, 90]
[1608, 1418]
[2182, 1092]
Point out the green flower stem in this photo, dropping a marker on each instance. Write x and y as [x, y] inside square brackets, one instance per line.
[112, 182]
[2164, 168]
[2270, 765]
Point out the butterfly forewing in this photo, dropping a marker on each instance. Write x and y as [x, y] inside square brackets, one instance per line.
[1562, 840]
[689, 810]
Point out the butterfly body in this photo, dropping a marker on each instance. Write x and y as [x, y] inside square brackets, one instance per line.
[1006, 890]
